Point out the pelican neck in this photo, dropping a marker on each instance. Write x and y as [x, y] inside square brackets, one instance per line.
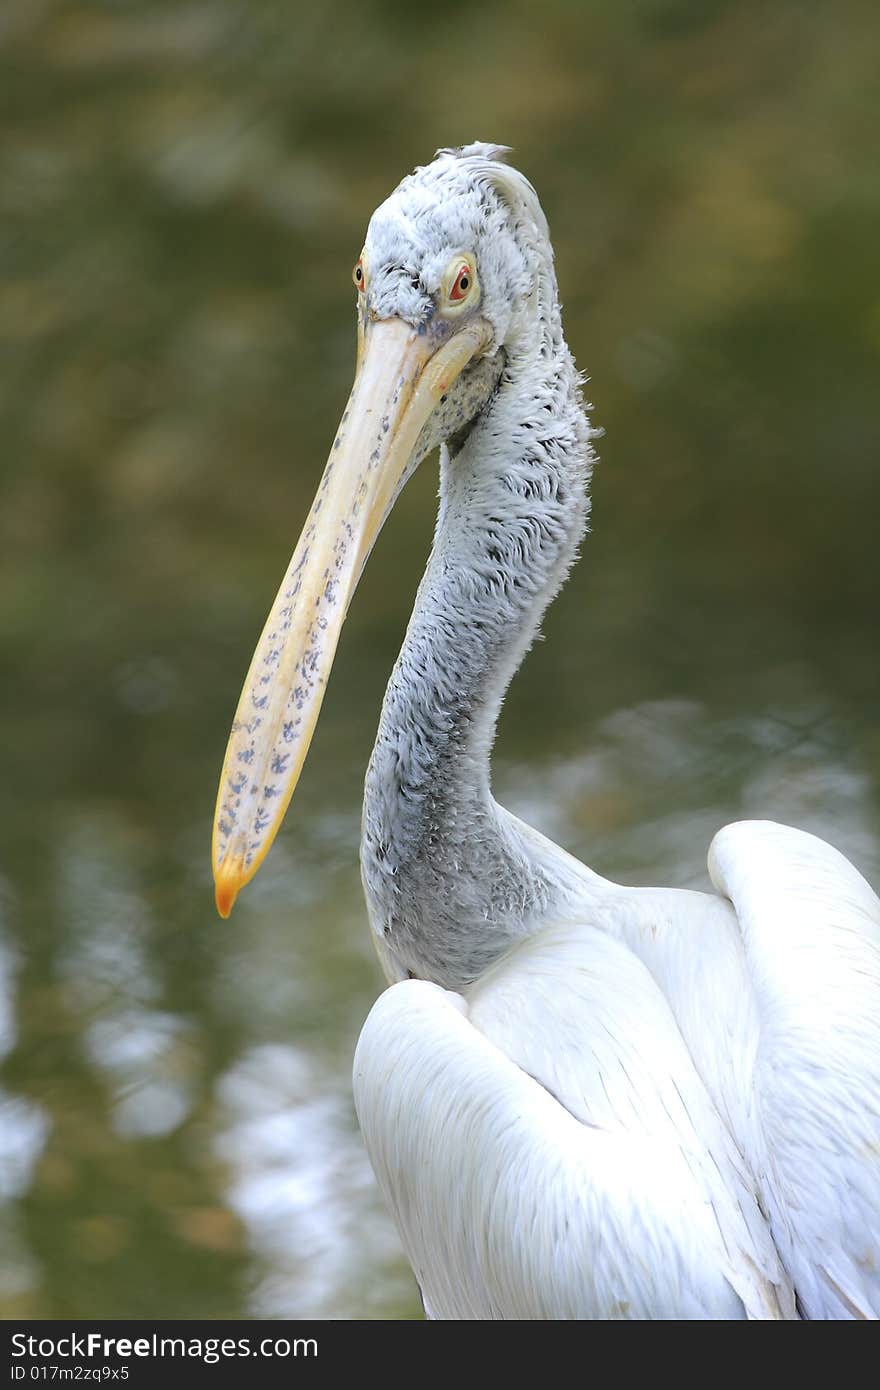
[449, 883]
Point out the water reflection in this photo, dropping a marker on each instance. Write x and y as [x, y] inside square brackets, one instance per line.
[301, 1183]
[629, 803]
[8, 972]
[148, 1063]
[23, 1130]
[103, 958]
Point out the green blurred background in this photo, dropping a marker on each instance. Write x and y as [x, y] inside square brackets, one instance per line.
[184, 185]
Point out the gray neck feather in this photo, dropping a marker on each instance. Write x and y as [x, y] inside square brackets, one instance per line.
[450, 879]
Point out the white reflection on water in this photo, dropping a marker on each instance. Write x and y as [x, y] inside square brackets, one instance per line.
[24, 1129]
[9, 961]
[660, 778]
[301, 1183]
[146, 1054]
[151, 1065]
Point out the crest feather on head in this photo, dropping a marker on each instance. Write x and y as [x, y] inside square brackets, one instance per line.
[489, 163]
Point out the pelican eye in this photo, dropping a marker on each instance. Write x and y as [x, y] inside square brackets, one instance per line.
[358, 275]
[462, 285]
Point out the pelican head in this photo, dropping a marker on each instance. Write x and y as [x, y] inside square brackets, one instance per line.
[464, 207]
[452, 276]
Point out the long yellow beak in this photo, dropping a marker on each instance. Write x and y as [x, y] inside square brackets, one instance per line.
[401, 379]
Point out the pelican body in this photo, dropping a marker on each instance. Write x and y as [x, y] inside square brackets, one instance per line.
[580, 1100]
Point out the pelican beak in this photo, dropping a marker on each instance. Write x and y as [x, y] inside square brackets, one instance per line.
[402, 376]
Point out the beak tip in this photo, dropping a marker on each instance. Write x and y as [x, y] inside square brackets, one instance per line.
[227, 882]
[225, 900]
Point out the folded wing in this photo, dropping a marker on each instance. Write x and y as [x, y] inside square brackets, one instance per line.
[549, 1151]
[811, 928]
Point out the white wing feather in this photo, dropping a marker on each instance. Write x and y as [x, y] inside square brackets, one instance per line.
[548, 1150]
[811, 929]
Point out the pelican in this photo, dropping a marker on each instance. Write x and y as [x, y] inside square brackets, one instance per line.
[580, 1100]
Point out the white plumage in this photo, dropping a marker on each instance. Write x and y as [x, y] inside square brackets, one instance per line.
[580, 1100]
[603, 1126]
